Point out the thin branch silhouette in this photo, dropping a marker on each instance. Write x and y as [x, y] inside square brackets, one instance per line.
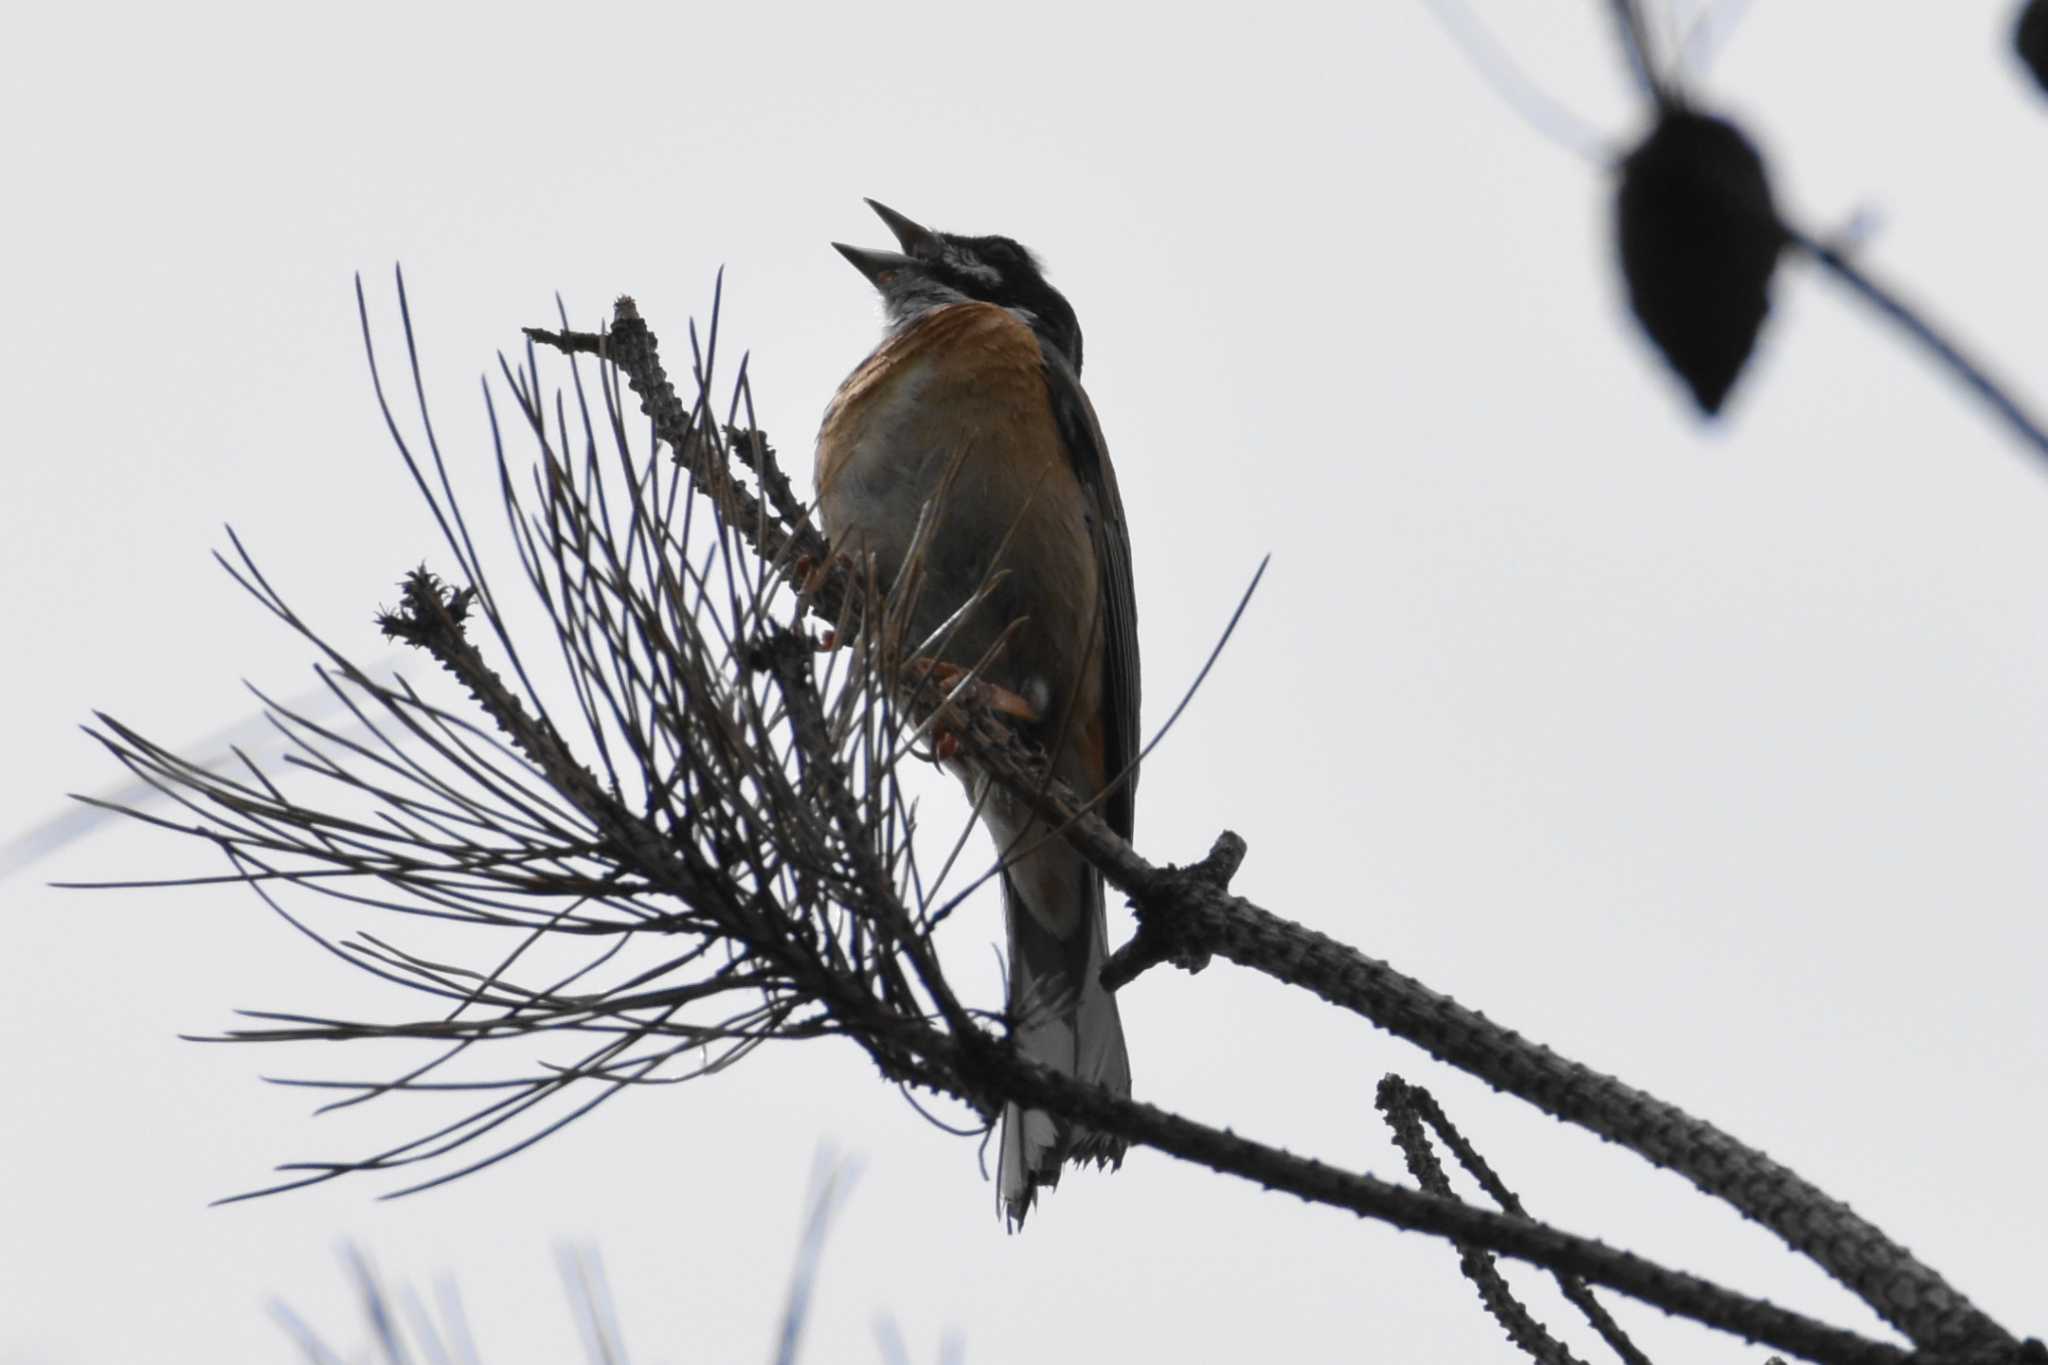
[1408, 1108]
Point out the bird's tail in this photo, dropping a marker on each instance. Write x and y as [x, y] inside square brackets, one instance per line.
[1060, 1014]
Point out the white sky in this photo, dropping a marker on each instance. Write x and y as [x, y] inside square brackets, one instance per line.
[1712, 757]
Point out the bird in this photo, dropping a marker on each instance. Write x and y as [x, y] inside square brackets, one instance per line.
[972, 403]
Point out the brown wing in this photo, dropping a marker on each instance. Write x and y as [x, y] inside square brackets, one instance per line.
[1082, 435]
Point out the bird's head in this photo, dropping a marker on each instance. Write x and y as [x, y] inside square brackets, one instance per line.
[938, 268]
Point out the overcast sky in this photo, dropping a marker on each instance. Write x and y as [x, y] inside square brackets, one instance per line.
[1713, 757]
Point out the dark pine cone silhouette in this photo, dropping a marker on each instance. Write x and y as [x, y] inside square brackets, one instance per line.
[2030, 39]
[1699, 239]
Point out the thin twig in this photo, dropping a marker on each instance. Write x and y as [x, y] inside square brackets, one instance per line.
[1396, 1102]
[1919, 327]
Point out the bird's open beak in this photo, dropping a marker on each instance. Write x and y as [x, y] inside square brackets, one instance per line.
[917, 241]
[876, 265]
[920, 246]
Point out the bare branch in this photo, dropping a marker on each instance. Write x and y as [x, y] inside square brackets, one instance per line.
[1408, 1108]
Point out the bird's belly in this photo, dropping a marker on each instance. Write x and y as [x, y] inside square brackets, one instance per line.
[985, 457]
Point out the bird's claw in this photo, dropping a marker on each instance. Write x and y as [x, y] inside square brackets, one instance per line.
[994, 696]
[960, 685]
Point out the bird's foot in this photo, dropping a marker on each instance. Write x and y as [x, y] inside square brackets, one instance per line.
[811, 572]
[997, 698]
[960, 687]
[810, 576]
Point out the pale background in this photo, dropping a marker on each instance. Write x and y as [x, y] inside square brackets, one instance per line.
[1713, 757]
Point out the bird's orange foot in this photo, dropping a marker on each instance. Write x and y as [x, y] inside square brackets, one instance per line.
[998, 699]
[810, 576]
[953, 678]
[810, 573]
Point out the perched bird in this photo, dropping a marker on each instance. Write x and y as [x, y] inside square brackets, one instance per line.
[973, 404]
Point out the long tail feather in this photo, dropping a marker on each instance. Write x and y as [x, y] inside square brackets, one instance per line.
[1060, 1014]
